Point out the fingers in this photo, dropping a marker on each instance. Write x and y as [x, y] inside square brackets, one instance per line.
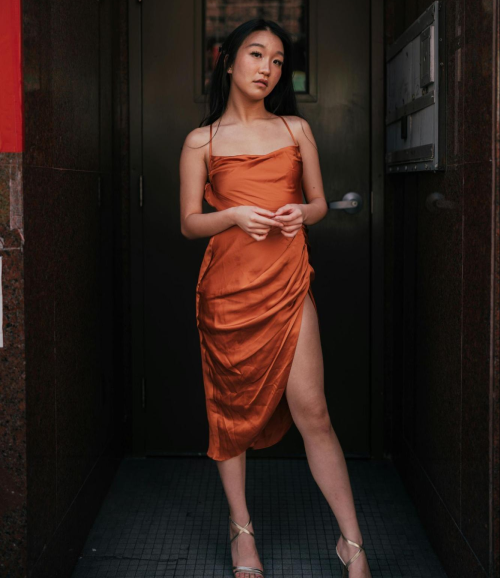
[260, 222]
[264, 212]
[291, 230]
[258, 237]
[284, 209]
[265, 221]
[264, 217]
[288, 231]
[292, 234]
[295, 214]
[292, 226]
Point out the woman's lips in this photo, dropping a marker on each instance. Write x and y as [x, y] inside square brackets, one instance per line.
[260, 83]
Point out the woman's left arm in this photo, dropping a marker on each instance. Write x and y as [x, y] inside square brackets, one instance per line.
[316, 207]
[312, 182]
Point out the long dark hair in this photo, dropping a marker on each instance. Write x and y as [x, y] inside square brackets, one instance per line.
[282, 98]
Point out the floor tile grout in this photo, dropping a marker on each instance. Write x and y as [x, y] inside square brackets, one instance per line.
[169, 518]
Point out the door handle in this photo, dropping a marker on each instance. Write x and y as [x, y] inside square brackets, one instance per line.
[436, 201]
[350, 203]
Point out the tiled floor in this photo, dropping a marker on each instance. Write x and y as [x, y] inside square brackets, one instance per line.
[169, 517]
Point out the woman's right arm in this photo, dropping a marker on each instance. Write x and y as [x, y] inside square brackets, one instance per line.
[193, 176]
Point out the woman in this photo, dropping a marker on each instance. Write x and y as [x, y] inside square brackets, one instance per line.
[256, 315]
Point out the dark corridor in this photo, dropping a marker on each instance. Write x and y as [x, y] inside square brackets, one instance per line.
[80, 495]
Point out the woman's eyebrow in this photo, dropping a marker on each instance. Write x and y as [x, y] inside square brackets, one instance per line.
[262, 46]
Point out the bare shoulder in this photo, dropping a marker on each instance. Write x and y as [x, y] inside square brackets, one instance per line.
[197, 138]
[300, 128]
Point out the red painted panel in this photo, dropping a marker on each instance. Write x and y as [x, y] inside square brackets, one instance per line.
[11, 104]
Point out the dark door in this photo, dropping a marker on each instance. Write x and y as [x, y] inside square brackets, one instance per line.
[170, 407]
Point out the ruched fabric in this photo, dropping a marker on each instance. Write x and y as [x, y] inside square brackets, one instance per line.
[249, 302]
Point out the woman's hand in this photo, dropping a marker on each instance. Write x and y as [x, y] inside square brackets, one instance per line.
[255, 221]
[292, 216]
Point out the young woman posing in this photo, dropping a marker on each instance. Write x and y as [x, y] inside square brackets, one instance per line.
[257, 318]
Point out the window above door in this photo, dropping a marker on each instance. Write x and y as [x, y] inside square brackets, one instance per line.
[215, 19]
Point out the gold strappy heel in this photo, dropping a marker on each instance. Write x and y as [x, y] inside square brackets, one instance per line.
[246, 569]
[345, 571]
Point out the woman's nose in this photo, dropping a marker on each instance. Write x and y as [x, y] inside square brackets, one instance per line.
[265, 66]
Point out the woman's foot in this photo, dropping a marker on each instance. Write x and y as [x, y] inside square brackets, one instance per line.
[243, 550]
[359, 568]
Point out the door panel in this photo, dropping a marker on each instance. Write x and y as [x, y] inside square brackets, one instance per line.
[175, 413]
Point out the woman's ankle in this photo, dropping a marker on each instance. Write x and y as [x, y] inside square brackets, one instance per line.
[240, 516]
[354, 536]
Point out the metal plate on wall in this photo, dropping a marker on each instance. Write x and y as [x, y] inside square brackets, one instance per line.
[415, 111]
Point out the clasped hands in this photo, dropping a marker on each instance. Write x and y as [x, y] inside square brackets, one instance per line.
[257, 222]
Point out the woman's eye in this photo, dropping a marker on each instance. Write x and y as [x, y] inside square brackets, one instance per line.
[260, 54]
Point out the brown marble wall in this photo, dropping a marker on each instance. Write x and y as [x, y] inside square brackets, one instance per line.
[62, 207]
[13, 532]
[439, 285]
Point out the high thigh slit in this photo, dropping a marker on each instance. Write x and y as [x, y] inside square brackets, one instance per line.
[250, 298]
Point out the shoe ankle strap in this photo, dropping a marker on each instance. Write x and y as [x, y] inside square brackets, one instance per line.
[351, 542]
[360, 546]
[242, 528]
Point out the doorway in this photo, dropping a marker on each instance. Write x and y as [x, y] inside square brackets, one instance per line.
[172, 45]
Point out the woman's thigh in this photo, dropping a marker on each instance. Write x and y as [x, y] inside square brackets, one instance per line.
[305, 389]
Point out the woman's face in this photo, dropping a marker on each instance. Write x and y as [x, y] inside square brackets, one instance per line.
[259, 58]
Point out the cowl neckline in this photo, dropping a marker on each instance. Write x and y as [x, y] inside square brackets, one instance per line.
[249, 155]
[219, 159]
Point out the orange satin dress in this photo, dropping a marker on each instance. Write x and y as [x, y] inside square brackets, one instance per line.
[249, 302]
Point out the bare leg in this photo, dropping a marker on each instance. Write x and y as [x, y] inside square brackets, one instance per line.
[307, 402]
[243, 549]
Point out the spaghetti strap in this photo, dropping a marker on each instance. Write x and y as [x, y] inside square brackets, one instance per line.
[210, 148]
[291, 133]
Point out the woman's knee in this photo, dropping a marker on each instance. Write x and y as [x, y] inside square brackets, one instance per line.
[313, 419]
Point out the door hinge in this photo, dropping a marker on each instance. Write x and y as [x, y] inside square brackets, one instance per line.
[143, 393]
[371, 202]
[140, 191]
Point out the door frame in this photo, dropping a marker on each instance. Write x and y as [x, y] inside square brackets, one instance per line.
[377, 329]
